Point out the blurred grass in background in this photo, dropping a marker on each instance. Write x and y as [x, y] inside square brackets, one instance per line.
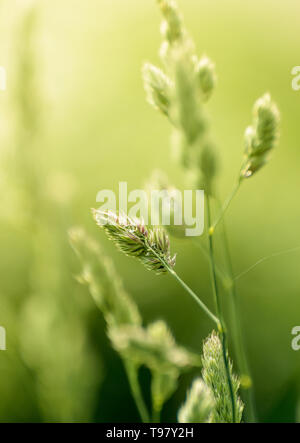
[74, 121]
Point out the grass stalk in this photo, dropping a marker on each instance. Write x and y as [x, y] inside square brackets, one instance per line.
[132, 375]
[223, 277]
[218, 320]
[219, 313]
[226, 205]
[263, 259]
[197, 299]
[238, 339]
[189, 290]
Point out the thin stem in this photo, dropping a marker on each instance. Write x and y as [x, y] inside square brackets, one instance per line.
[221, 273]
[226, 205]
[220, 315]
[196, 298]
[188, 290]
[238, 340]
[132, 375]
[263, 259]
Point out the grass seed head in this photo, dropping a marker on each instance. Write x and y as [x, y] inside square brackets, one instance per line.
[171, 27]
[104, 283]
[198, 405]
[214, 376]
[153, 346]
[150, 246]
[158, 88]
[206, 74]
[262, 136]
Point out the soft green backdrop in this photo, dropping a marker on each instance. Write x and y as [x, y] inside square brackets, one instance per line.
[87, 127]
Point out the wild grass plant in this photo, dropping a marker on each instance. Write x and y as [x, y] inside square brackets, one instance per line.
[179, 90]
[74, 106]
[152, 346]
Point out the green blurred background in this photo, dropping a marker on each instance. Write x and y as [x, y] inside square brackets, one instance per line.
[73, 121]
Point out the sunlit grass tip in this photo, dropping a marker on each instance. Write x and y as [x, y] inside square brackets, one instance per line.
[150, 245]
